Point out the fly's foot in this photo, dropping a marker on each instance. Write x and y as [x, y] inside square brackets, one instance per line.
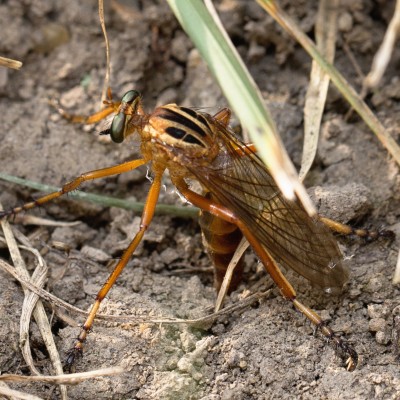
[12, 212]
[387, 234]
[72, 356]
[341, 346]
[366, 234]
[370, 235]
[346, 352]
[6, 214]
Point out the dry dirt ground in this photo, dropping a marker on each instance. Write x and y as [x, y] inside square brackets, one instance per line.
[267, 350]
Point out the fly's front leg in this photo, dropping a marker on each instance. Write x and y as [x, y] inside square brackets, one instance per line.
[147, 216]
[272, 268]
[74, 184]
[88, 119]
[111, 107]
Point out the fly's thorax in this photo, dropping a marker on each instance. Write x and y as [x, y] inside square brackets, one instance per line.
[183, 133]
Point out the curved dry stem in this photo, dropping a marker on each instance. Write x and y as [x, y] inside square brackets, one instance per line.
[32, 304]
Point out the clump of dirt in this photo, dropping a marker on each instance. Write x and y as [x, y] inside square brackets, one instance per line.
[264, 350]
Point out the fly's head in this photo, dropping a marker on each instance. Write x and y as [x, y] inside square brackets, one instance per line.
[128, 118]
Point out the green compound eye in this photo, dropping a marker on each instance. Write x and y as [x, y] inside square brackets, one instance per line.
[130, 96]
[119, 124]
[117, 129]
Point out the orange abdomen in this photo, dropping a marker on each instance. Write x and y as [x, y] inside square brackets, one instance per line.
[221, 239]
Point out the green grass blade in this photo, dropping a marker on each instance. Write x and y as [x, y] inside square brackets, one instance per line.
[211, 40]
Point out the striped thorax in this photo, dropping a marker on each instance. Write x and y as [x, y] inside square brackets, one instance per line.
[183, 132]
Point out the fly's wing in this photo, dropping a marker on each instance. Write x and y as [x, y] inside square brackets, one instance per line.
[240, 181]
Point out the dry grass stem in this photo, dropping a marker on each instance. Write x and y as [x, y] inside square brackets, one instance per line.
[384, 54]
[325, 33]
[32, 304]
[10, 63]
[66, 379]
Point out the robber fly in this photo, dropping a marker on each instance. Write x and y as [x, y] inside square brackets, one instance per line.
[240, 198]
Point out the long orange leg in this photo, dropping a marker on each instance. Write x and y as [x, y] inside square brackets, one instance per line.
[147, 216]
[75, 183]
[111, 107]
[89, 119]
[348, 230]
[272, 268]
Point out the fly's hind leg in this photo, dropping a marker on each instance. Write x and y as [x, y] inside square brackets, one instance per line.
[272, 268]
[363, 233]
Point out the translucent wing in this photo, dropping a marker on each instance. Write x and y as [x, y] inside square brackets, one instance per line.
[240, 181]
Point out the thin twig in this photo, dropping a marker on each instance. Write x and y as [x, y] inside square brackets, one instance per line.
[108, 62]
[243, 245]
[131, 318]
[12, 394]
[67, 379]
[10, 63]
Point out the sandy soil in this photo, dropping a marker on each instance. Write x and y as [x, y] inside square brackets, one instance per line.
[267, 350]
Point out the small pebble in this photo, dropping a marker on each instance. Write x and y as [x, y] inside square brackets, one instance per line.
[376, 324]
[345, 22]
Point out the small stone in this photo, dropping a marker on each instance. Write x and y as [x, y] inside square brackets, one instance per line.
[342, 203]
[374, 285]
[382, 338]
[376, 324]
[169, 255]
[188, 341]
[378, 310]
[95, 254]
[345, 22]
[243, 364]
[218, 329]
